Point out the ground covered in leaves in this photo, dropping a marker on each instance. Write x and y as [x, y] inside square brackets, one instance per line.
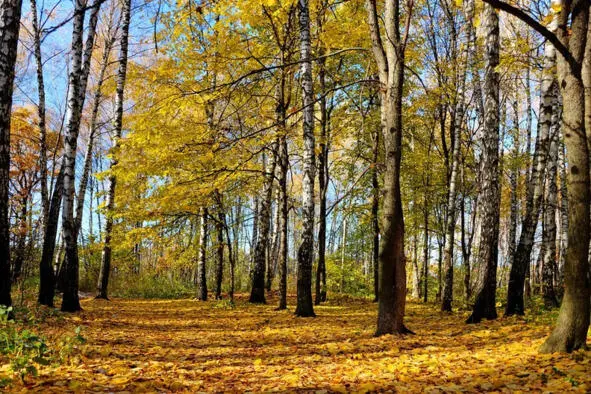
[187, 345]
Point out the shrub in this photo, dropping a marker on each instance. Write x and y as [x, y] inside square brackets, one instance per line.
[24, 348]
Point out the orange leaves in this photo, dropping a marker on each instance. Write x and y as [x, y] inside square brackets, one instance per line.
[184, 345]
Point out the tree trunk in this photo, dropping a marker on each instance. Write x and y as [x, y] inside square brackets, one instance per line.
[10, 15]
[467, 244]
[201, 273]
[255, 233]
[440, 242]
[571, 328]
[79, 70]
[231, 257]
[219, 271]
[46, 273]
[41, 115]
[274, 244]
[549, 216]
[304, 307]
[257, 294]
[389, 56]
[103, 282]
[322, 185]
[19, 253]
[283, 217]
[513, 180]
[485, 304]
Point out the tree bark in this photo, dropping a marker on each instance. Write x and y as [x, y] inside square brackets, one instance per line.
[10, 15]
[549, 216]
[257, 293]
[79, 70]
[322, 184]
[46, 273]
[570, 332]
[489, 195]
[41, 115]
[201, 273]
[19, 253]
[389, 56]
[513, 180]
[219, 225]
[283, 217]
[467, 244]
[304, 307]
[232, 259]
[274, 243]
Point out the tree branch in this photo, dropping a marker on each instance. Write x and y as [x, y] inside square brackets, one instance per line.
[537, 26]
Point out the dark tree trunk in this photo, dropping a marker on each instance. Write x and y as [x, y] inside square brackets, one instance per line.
[41, 115]
[19, 254]
[232, 262]
[46, 273]
[10, 15]
[389, 56]
[219, 272]
[283, 217]
[322, 184]
[257, 293]
[201, 273]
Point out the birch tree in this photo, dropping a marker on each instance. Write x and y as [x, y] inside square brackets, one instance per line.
[201, 259]
[305, 306]
[549, 216]
[489, 194]
[10, 15]
[77, 80]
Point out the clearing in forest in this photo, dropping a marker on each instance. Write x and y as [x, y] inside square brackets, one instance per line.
[187, 345]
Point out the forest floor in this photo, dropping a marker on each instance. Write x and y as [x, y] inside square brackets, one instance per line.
[186, 345]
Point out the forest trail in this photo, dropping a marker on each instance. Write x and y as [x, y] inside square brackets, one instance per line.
[187, 345]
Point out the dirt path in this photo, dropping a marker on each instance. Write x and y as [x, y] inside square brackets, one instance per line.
[186, 345]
